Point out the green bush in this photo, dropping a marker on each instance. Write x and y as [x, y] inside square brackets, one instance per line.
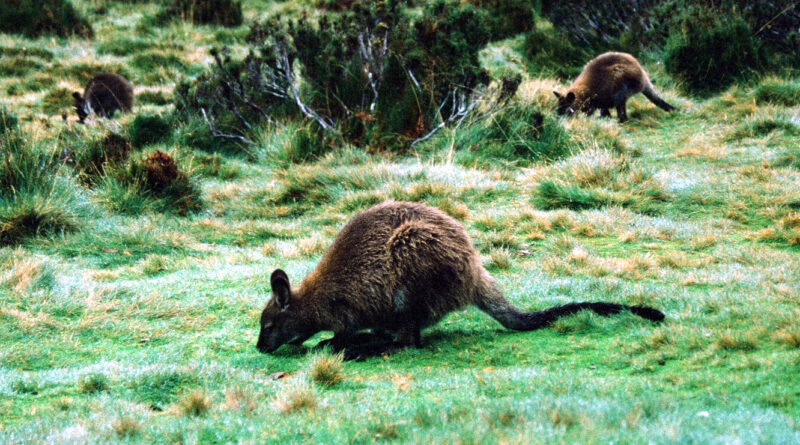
[45, 17]
[204, 12]
[712, 53]
[8, 121]
[148, 129]
[429, 69]
[507, 17]
[38, 194]
[550, 52]
[91, 160]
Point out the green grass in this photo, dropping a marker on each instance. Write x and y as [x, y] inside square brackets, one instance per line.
[126, 322]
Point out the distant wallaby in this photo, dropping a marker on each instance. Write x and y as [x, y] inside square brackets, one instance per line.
[104, 94]
[397, 268]
[608, 81]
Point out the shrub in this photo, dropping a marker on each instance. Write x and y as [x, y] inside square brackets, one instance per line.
[148, 129]
[38, 194]
[709, 55]
[507, 17]
[194, 403]
[550, 52]
[8, 121]
[371, 74]
[33, 19]
[217, 12]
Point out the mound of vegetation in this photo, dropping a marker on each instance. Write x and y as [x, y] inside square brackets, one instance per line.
[46, 17]
[38, 194]
[153, 182]
[598, 178]
[711, 53]
[779, 92]
[92, 160]
[147, 129]
[213, 12]
[374, 74]
[515, 133]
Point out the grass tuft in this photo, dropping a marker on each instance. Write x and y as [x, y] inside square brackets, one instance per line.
[195, 403]
[126, 427]
[295, 398]
[93, 383]
[326, 368]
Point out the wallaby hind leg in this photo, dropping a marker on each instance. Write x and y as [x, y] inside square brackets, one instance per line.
[622, 115]
[407, 336]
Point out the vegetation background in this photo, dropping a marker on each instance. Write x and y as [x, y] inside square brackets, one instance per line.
[135, 252]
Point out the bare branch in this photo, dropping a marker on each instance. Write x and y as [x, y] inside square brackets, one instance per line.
[219, 134]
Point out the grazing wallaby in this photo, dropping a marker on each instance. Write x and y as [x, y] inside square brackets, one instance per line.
[608, 81]
[104, 94]
[397, 268]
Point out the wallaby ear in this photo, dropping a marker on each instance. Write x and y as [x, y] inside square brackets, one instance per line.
[570, 97]
[281, 290]
[556, 94]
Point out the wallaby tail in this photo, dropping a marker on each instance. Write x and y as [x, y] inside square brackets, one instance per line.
[650, 93]
[501, 310]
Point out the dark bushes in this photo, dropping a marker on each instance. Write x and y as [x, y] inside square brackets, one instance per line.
[147, 129]
[371, 75]
[711, 53]
[507, 17]
[217, 12]
[45, 17]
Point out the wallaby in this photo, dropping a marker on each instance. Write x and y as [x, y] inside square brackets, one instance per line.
[397, 268]
[104, 94]
[608, 81]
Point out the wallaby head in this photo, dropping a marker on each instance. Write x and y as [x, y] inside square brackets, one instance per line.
[80, 106]
[281, 321]
[565, 102]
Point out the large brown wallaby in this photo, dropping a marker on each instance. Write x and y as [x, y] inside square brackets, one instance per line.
[608, 81]
[397, 268]
[104, 94]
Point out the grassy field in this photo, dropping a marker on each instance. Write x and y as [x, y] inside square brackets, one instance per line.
[141, 326]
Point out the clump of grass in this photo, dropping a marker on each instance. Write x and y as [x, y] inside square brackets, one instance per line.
[93, 383]
[241, 399]
[778, 92]
[298, 397]
[126, 427]
[736, 341]
[499, 258]
[8, 121]
[789, 336]
[597, 178]
[26, 274]
[759, 125]
[786, 230]
[326, 368]
[38, 195]
[154, 182]
[25, 387]
[162, 388]
[517, 133]
[91, 160]
[148, 129]
[195, 403]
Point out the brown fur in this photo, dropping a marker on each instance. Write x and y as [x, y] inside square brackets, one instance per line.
[608, 81]
[397, 267]
[104, 94]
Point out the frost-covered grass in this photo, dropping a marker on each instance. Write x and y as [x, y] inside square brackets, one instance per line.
[141, 325]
